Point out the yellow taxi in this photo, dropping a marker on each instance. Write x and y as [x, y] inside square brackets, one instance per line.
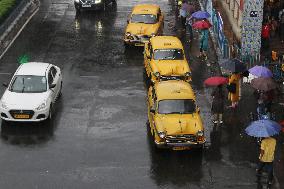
[145, 21]
[164, 59]
[174, 119]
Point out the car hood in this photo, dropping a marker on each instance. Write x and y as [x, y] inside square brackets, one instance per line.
[170, 67]
[175, 124]
[23, 100]
[141, 29]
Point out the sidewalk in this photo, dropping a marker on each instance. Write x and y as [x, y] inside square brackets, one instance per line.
[247, 104]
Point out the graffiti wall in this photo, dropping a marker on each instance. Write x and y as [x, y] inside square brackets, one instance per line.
[251, 26]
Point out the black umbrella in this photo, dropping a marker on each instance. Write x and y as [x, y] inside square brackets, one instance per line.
[234, 65]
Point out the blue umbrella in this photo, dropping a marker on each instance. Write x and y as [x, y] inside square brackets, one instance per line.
[200, 14]
[260, 71]
[263, 128]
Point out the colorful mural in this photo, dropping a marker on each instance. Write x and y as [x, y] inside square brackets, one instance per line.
[251, 27]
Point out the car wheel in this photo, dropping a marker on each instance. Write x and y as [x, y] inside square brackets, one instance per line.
[50, 113]
[126, 46]
[78, 10]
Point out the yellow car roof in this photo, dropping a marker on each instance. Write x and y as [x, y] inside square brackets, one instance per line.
[146, 9]
[166, 42]
[174, 89]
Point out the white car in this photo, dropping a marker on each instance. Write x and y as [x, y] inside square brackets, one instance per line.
[31, 93]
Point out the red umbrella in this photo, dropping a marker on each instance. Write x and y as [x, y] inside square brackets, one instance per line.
[215, 81]
[202, 24]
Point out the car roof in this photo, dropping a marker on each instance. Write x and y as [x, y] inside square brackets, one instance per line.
[174, 89]
[32, 68]
[166, 42]
[146, 9]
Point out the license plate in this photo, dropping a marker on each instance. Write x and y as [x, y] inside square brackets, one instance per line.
[139, 44]
[21, 116]
[86, 5]
[181, 148]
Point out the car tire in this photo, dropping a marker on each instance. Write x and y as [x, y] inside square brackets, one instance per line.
[50, 113]
[78, 10]
[126, 46]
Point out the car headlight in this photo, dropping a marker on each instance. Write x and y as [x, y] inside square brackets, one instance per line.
[153, 35]
[157, 74]
[41, 106]
[77, 1]
[187, 74]
[4, 105]
[162, 134]
[98, 1]
[200, 133]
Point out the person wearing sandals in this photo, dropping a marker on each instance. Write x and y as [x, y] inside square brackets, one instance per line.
[217, 107]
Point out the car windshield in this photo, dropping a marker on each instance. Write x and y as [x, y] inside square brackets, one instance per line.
[186, 106]
[144, 18]
[168, 54]
[28, 84]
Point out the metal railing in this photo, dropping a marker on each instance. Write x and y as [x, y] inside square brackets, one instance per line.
[13, 15]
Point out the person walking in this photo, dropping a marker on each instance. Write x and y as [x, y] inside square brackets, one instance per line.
[265, 35]
[183, 12]
[217, 107]
[234, 89]
[266, 158]
[203, 45]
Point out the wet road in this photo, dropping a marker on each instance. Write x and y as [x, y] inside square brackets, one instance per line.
[98, 137]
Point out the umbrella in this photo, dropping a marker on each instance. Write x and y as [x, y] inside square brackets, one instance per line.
[234, 65]
[260, 71]
[200, 14]
[201, 25]
[215, 81]
[263, 83]
[263, 128]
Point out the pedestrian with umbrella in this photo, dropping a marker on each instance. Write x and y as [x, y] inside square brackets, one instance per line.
[265, 129]
[260, 71]
[236, 67]
[183, 13]
[234, 89]
[203, 44]
[217, 107]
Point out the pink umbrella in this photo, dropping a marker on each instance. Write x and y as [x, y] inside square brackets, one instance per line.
[202, 24]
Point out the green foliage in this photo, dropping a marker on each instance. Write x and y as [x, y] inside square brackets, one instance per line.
[6, 6]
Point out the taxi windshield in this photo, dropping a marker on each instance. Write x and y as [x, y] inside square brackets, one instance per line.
[183, 106]
[28, 84]
[144, 18]
[168, 54]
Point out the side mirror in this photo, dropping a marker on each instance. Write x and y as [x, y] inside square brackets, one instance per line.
[5, 85]
[51, 86]
[152, 110]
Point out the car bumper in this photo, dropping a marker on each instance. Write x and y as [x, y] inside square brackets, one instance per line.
[38, 115]
[137, 41]
[97, 6]
[180, 146]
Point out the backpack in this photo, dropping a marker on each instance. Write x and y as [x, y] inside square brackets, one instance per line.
[232, 87]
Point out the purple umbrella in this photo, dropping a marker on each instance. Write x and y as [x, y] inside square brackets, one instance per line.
[260, 71]
[201, 15]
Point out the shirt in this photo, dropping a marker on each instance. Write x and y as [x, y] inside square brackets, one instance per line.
[268, 146]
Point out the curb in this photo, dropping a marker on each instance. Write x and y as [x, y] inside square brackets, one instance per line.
[15, 23]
